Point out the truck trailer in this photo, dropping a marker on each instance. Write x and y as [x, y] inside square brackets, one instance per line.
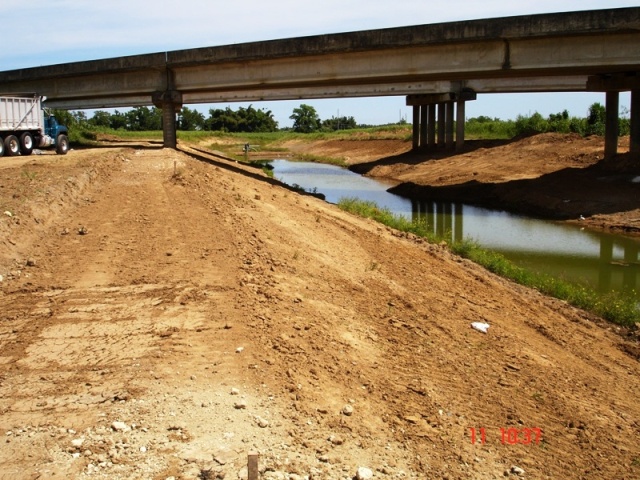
[25, 125]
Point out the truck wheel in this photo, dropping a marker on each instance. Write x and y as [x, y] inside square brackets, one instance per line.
[62, 145]
[26, 144]
[1, 146]
[12, 145]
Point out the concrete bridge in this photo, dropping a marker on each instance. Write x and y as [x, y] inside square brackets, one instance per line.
[438, 67]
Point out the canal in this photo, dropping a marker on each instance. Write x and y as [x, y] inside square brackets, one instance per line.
[601, 260]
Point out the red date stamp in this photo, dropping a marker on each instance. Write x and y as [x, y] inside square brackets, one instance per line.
[508, 436]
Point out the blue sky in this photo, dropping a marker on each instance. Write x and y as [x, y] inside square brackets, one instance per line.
[59, 31]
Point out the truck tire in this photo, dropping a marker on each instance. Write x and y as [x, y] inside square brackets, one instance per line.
[62, 145]
[26, 143]
[12, 146]
[1, 146]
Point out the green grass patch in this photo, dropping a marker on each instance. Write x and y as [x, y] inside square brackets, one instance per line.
[617, 307]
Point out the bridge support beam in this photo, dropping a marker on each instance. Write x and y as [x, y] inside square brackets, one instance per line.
[434, 120]
[170, 101]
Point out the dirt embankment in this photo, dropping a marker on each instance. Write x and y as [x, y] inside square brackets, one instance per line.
[162, 317]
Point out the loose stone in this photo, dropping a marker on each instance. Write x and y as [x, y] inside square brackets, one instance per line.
[364, 473]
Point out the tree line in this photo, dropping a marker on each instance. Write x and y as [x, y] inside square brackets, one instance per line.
[306, 120]
[243, 120]
[562, 122]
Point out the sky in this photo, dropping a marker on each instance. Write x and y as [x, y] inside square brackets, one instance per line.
[60, 31]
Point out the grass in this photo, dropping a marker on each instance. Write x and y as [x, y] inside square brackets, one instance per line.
[617, 307]
[232, 143]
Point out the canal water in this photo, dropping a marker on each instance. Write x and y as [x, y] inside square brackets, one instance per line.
[601, 260]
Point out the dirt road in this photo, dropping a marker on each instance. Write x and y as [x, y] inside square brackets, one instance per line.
[162, 317]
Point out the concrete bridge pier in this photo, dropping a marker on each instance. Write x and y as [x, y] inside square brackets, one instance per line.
[611, 124]
[612, 85]
[170, 101]
[434, 120]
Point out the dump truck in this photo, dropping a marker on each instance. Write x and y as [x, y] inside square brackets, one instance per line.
[25, 125]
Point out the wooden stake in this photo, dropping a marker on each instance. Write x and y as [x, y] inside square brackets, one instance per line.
[253, 466]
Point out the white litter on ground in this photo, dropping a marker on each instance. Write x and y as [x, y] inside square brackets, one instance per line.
[481, 327]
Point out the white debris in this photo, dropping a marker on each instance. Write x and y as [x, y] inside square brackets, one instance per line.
[239, 349]
[8, 213]
[77, 442]
[120, 427]
[517, 470]
[481, 327]
[364, 473]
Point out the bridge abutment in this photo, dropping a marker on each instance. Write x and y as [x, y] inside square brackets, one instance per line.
[438, 120]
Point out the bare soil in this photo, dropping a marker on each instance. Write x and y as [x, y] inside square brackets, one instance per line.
[164, 314]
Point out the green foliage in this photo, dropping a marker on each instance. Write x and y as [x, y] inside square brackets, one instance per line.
[596, 119]
[489, 128]
[64, 117]
[616, 307]
[144, 118]
[190, 120]
[339, 123]
[305, 119]
[244, 120]
[101, 119]
[531, 125]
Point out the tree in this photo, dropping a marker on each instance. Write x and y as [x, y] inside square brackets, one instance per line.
[244, 120]
[118, 120]
[64, 117]
[305, 119]
[190, 119]
[596, 119]
[144, 119]
[101, 119]
[339, 123]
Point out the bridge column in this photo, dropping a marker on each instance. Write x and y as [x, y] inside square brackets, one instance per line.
[442, 119]
[416, 127]
[170, 101]
[449, 126]
[424, 124]
[431, 128]
[634, 142]
[460, 121]
[429, 134]
[611, 124]
[612, 85]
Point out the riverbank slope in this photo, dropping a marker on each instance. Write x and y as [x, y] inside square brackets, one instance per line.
[162, 317]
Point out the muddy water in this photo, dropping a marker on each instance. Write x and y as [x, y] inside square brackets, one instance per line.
[601, 260]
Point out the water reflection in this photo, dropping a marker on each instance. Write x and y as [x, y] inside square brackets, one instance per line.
[602, 260]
